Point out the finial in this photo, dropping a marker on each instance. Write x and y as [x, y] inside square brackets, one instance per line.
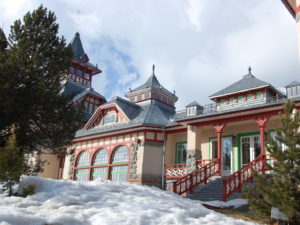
[153, 69]
[249, 69]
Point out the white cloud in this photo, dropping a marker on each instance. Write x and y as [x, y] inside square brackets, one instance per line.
[193, 12]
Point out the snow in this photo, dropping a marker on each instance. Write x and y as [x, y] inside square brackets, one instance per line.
[96, 203]
[235, 203]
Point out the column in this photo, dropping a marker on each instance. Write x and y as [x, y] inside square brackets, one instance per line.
[191, 161]
[261, 122]
[219, 128]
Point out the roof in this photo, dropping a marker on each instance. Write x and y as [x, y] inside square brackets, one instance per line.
[153, 113]
[72, 88]
[90, 91]
[248, 82]
[193, 104]
[77, 48]
[294, 83]
[153, 83]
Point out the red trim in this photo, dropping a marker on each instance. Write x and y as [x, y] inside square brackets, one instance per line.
[261, 122]
[219, 128]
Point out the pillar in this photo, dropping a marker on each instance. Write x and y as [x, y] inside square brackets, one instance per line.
[191, 161]
[219, 128]
[261, 122]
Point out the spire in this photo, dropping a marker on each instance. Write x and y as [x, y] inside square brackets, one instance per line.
[153, 69]
[249, 72]
[77, 48]
[249, 69]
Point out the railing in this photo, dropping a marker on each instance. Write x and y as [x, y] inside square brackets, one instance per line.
[199, 176]
[214, 108]
[235, 181]
[203, 162]
[175, 170]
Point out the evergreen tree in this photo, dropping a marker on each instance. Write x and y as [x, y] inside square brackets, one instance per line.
[38, 61]
[282, 190]
[11, 163]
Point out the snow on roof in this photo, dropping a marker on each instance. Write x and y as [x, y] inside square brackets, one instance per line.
[94, 203]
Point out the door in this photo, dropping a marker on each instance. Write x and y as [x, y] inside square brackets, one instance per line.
[181, 149]
[250, 148]
[226, 156]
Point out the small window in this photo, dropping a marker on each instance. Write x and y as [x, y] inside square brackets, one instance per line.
[109, 118]
[231, 100]
[240, 99]
[72, 69]
[249, 97]
[91, 108]
[222, 102]
[79, 72]
[259, 95]
[146, 95]
[139, 97]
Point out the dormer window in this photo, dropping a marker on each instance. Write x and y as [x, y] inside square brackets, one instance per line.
[231, 100]
[249, 97]
[259, 95]
[222, 102]
[109, 118]
[79, 72]
[240, 99]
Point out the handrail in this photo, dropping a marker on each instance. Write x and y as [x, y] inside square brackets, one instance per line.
[175, 170]
[235, 181]
[199, 176]
[203, 162]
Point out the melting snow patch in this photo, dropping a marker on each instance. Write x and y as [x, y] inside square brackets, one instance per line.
[235, 203]
[100, 203]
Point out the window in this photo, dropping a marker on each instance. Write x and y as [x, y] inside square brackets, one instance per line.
[83, 160]
[72, 69]
[101, 160]
[231, 100]
[222, 102]
[91, 108]
[119, 172]
[240, 99]
[181, 149]
[214, 149]
[249, 97]
[109, 118]
[79, 72]
[259, 95]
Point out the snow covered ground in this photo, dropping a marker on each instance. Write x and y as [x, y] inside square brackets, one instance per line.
[96, 203]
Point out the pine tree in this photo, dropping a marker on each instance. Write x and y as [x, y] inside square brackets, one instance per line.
[282, 190]
[38, 60]
[12, 164]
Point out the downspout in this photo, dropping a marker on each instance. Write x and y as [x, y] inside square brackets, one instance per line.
[163, 160]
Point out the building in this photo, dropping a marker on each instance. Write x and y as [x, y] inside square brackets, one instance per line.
[143, 139]
[78, 83]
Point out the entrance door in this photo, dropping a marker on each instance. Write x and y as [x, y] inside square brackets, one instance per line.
[226, 156]
[250, 148]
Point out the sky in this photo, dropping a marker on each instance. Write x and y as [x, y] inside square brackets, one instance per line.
[198, 46]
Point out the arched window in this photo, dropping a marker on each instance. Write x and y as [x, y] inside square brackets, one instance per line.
[120, 169]
[100, 162]
[83, 160]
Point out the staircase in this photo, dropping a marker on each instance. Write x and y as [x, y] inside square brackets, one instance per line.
[212, 191]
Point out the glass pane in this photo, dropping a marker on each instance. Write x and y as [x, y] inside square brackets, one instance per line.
[120, 155]
[214, 149]
[109, 118]
[226, 149]
[82, 174]
[256, 146]
[83, 159]
[181, 149]
[101, 157]
[99, 173]
[119, 173]
[245, 150]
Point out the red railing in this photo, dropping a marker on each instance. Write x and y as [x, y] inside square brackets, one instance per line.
[175, 170]
[203, 162]
[199, 176]
[235, 181]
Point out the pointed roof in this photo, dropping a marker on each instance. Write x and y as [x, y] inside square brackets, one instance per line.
[77, 48]
[248, 82]
[294, 83]
[194, 103]
[153, 83]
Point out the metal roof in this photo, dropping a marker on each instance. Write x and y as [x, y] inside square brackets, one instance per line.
[77, 48]
[294, 83]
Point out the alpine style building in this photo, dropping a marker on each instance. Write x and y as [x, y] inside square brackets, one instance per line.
[143, 139]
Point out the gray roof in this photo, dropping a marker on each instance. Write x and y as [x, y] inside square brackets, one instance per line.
[193, 104]
[153, 113]
[153, 83]
[77, 48]
[72, 88]
[90, 91]
[294, 83]
[248, 82]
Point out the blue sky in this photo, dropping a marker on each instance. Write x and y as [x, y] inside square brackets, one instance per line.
[198, 46]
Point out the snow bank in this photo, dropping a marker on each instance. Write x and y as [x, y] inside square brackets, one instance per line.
[96, 203]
